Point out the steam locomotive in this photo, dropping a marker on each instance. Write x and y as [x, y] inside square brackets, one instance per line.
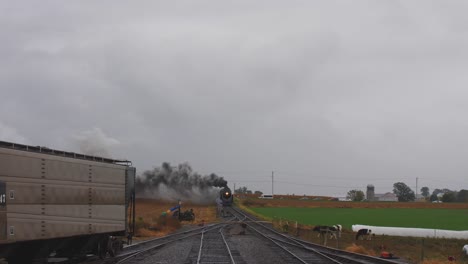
[226, 196]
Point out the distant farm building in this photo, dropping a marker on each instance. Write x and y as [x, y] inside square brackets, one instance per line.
[381, 197]
[386, 197]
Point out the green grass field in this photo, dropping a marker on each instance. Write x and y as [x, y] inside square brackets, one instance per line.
[450, 219]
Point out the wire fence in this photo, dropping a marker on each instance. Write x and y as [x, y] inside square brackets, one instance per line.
[411, 249]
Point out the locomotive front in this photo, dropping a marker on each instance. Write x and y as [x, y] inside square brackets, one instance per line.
[226, 196]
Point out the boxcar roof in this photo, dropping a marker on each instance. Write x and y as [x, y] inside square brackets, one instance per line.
[49, 151]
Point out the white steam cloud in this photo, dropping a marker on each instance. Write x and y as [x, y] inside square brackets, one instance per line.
[95, 142]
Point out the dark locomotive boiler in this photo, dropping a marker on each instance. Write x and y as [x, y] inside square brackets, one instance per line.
[226, 196]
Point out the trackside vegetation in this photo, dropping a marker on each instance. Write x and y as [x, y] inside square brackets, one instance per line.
[450, 219]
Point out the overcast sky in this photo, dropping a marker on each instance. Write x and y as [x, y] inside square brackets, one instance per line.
[331, 95]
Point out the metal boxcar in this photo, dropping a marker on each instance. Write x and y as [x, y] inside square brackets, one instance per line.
[62, 202]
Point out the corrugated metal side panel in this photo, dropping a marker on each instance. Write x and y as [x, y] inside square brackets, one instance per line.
[20, 166]
[31, 227]
[33, 193]
[71, 171]
[23, 229]
[98, 212]
[103, 174]
[3, 226]
[3, 219]
[23, 193]
[55, 182]
[108, 195]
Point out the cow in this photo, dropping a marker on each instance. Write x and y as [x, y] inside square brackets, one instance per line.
[364, 233]
[465, 249]
[334, 231]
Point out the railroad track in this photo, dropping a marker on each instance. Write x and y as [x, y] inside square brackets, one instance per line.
[213, 247]
[138, 252]
[137, 255]
[300, 251]
[209, 245]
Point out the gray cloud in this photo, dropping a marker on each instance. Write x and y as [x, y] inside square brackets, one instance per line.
[8, 133]
[330, 95]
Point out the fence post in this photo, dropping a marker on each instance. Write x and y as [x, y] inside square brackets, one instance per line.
[297, 230]
[325, 239]
[422, 249]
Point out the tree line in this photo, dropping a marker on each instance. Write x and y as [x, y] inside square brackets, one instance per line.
[245, 190]
[404, 194]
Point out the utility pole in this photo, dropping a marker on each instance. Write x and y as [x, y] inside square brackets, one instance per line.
[234, 191]
[416, 188]
[272, 176]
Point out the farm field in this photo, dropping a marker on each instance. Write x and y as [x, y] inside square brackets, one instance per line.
[450, 219]
[295, 202]
[308, 213]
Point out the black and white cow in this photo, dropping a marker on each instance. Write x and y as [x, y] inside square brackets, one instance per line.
[334, 231]
[364, 233]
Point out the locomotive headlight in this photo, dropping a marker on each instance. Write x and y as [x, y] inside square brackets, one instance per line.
[227, 193]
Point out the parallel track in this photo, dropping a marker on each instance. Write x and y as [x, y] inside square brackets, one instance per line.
[214, 248]
[155, 244]
[301, 251]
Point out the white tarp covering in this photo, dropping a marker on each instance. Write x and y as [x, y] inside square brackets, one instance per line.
[413, 232]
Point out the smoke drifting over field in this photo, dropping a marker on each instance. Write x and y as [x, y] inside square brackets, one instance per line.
[181, 182]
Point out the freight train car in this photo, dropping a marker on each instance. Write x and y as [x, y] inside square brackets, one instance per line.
[62, 202]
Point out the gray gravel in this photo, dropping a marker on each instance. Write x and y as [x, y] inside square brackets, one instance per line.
[251, 248]
[173, 253]
[247, 248]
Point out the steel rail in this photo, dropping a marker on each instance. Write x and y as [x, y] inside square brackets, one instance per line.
[132, 255]
[326, 250]
[200, 251]
[201, 247]
[308, 249]
[227, 246]
[294, 255]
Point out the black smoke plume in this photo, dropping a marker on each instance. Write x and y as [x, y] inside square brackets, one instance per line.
[180, 182]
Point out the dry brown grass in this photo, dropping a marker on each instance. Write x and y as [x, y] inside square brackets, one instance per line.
[437, 262]
[360, 249]
[150, 223]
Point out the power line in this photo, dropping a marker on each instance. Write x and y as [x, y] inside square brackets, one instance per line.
[319, 185]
